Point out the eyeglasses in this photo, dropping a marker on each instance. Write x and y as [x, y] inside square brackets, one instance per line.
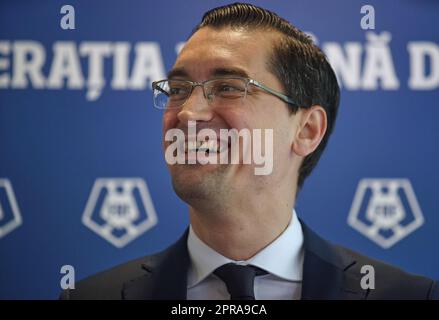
[171, 94]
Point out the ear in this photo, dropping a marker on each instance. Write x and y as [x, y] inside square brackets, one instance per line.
[312, 128]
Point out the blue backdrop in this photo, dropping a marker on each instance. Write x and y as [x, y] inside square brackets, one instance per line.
[76, 113]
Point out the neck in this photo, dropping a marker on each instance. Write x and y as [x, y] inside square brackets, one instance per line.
[241, 229]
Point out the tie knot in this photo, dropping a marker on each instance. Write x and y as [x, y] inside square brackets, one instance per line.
[239, 280]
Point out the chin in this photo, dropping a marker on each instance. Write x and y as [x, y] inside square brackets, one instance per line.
[198, 182]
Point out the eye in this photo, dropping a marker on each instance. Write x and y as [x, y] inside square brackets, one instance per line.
[229, 89]
[177, 90]
[226, 87]
[174, 91]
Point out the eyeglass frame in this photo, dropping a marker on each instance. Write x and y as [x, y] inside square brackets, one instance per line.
[194, 84]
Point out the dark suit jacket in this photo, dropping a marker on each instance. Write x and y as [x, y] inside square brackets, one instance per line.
[329, 272]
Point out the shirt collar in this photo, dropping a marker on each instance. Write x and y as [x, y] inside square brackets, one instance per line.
[282, 258]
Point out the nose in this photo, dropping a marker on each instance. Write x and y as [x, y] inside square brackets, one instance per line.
[196, 108]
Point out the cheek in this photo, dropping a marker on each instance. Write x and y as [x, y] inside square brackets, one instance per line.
[275, 117]
[277, 121]
[235, 118]
[169, 121]
[250, 116]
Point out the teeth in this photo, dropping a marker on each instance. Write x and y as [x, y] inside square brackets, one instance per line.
[211, 146]
[192, 146]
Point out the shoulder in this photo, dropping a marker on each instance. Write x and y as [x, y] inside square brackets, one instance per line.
[108, 284]
[347, 268]
[390, 282]
[141, 278]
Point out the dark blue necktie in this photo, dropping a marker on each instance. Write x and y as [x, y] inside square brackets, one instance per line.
[239, 280]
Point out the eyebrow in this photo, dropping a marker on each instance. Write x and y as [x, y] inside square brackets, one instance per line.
[217, 72]
[177, 72]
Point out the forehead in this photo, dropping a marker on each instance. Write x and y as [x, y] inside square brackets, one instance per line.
[211, 52]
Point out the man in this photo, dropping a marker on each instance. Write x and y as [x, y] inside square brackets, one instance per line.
[246, 68]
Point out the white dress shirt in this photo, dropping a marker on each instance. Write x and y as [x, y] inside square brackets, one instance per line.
[282, 259]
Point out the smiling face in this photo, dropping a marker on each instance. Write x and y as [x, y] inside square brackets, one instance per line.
[212, 53]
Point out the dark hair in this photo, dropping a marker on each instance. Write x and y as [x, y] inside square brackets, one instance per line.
[299, 64]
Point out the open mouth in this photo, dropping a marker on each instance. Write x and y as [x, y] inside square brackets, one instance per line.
[208, 147]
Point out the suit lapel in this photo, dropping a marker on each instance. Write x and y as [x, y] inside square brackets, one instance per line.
[325, 275]
[165, 275]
